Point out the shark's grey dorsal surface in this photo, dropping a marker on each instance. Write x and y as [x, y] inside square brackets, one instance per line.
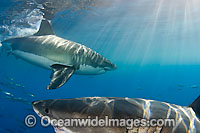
[63, 57]
[185, 117]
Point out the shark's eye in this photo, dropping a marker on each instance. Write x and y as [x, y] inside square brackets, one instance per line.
[46, 111]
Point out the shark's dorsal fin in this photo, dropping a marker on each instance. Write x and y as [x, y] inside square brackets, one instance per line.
[196, 106]
[45, 28]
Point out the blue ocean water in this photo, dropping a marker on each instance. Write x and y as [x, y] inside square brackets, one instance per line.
[155, 45]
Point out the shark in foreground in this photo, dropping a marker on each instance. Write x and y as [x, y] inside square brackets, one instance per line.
[186, 117]
[64, 57]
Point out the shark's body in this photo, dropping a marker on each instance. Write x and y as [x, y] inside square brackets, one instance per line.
[63, 56]
[185, 118]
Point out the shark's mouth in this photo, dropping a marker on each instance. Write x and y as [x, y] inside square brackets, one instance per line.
[62, 130]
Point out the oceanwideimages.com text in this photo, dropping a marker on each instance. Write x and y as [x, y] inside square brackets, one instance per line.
[106, 122]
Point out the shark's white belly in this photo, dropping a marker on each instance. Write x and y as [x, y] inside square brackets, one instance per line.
[46, 63]
[34, 59]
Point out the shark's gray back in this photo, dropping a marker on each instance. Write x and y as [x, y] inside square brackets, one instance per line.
[125, 108]
[134, 108]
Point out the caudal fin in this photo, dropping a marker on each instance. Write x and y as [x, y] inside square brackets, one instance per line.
[1, 48]
[196, 106]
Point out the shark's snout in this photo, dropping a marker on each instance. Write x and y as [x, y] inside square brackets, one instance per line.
[114, 67]
[38, 107]
[35, 103]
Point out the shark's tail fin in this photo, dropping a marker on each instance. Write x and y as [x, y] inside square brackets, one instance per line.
[1, 48]
[196, 106]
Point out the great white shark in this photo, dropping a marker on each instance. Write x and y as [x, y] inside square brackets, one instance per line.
[64, 57]
[186, 118]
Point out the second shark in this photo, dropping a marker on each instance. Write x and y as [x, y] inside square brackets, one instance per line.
[64, 57]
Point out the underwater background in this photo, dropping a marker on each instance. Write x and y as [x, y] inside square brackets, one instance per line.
[154, 43]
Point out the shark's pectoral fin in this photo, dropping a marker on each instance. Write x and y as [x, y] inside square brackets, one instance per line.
[61, 74]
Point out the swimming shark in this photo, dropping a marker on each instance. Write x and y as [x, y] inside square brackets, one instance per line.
[186, 118]
[63, 57]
